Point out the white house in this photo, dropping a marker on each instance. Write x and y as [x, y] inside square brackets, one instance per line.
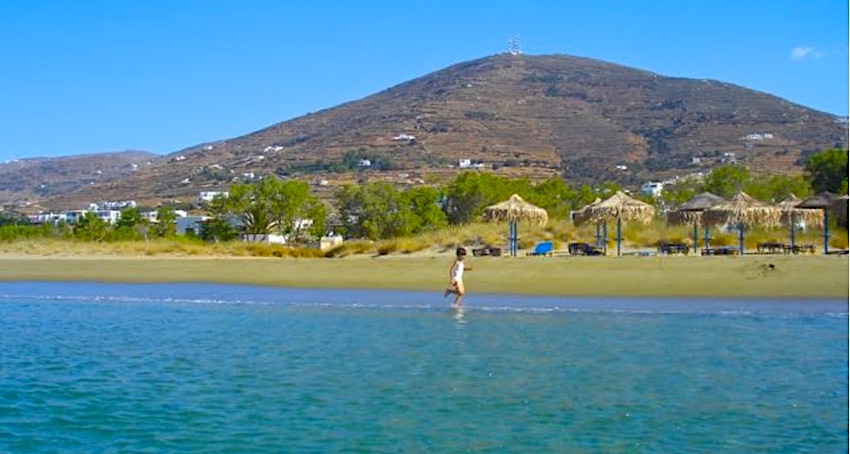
[267, 238]
[109, 216]
[653, 188]
[464, 163]
[364, 163]
[208, 196]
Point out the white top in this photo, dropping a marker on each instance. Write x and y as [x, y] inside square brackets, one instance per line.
[458, 271]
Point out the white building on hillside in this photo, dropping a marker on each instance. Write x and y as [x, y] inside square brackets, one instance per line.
[653, 188]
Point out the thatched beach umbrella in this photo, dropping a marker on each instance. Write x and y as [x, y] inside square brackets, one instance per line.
[742, 211]
[821, 201]
[621, 207]
[513, 210]
[691, 211]
[790, 215]
[582, 217]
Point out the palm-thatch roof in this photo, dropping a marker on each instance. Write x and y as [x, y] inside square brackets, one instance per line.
[742, 209]
[582, 216]
[516, 209]
[789, 211]
[691, 211]
[621, 206]
[821, 200]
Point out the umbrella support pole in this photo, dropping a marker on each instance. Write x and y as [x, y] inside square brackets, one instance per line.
[598, 236]
[741, 238]
[707, 239]
[619, 236]
[793, 231]
[605, 238]
[696, 238]
[825, 231]
[513, 240]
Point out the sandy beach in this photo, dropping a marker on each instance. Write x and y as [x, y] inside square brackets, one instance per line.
[672, 276]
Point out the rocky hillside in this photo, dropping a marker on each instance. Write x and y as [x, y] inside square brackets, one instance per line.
[26, 181]
[539, 116]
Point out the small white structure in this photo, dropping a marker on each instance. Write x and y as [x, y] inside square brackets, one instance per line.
[728, 157]
[327, 243]
[464, 163]
[150, 216]
[653, 188]
[364, 163]
[109, 216]
[404, 138]
[267, 238]
[44, 218]
[621, 167]
[208, 196]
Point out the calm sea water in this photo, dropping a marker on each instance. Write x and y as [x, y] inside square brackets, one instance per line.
[203, 368]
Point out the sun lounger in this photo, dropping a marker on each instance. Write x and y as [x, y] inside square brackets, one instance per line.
[544, 248]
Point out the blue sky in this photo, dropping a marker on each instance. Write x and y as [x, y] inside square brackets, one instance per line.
[87, 76]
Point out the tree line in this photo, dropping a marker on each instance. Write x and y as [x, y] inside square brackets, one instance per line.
[380, 210]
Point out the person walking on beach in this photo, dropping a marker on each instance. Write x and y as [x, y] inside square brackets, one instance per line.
[456, 286]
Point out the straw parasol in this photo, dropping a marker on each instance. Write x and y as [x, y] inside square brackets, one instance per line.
[513, 210]
[620, 207]
[691, 211]
[742, 211]
[790, 215]
[821, 201]
[582, 217]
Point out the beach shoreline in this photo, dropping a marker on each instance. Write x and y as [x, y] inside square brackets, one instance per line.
[756, 276]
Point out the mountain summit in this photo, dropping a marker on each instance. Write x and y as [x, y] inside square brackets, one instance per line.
[584, 119]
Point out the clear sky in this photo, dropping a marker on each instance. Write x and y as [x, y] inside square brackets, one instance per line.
[87, 76]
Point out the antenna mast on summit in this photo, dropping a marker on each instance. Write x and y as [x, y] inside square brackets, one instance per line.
[513, 46]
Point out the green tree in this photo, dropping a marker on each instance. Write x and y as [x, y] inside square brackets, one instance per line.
[166, 225]
[679, 193]
[828, 170]
[131, 225]
[378, 210]
[556, 197]
[727, 180]
[218, 229]
[90, 228]
[273, 206]
[471, 192]
[773, 188]
[424, 205]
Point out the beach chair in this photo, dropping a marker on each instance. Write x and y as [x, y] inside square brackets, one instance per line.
[544, 248]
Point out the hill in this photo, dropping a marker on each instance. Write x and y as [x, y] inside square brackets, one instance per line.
[537, 116]
[25, 181]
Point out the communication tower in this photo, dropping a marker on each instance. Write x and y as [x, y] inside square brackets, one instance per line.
[513, 46]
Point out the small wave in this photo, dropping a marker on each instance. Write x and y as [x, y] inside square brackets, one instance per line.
[217, 294]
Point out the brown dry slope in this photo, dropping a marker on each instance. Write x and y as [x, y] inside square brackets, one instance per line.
[537, 115]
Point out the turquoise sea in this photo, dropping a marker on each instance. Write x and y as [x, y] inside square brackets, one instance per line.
[90, 367]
